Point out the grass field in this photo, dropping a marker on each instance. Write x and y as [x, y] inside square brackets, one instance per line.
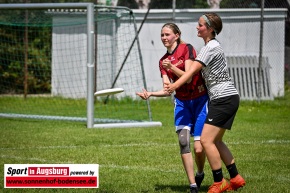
[145, 160]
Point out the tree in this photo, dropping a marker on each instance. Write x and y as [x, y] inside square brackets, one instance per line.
[132, 4]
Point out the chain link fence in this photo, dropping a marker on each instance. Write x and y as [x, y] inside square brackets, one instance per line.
[261, 70]
[273, 55]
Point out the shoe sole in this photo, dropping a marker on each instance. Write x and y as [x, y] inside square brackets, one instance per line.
[239, 188]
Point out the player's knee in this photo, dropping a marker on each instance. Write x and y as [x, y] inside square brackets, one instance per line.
[198, 150]
[184, 148]
[203, 141]
[184, 141]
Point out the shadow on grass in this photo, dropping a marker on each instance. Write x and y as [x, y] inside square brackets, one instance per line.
[175, 188]
[178, 188]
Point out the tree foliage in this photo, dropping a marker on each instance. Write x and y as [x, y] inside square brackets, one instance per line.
[17, 51]
[132, 4]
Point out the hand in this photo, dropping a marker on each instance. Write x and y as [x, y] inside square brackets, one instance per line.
[169, 88]
[166, 63]
[144, 95]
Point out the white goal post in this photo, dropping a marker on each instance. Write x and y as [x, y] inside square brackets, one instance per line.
[75, 56]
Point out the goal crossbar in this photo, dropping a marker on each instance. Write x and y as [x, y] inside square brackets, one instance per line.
[90, 66]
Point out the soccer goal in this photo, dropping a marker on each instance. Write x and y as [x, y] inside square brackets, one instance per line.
[55, 56]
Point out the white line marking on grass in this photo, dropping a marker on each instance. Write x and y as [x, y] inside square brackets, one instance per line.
[277, 141]
[141, 168]
[33, 159]
[139, 144]
[47, 147]
[262, 142]
[175, 144]
[283, 178]
[143, 145]
[21, 158]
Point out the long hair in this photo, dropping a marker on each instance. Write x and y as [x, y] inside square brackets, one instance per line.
[175, 30]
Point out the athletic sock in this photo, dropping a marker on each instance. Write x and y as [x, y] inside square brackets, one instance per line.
[199, 174]
[232, 170]
[193, 185]
[217, 175]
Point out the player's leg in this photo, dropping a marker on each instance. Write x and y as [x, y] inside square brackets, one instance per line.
[199, 157]
[211, 135]
[208, 140]
[199, 108]
[220, 117]
[183, 125]
[200, 161]
[186, 156]
[236, 180]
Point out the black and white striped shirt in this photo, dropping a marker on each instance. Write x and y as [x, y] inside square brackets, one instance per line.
[215, 72]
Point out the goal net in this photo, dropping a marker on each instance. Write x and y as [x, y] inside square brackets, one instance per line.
[49, 68]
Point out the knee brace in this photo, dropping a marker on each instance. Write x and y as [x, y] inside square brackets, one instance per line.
[184, 141]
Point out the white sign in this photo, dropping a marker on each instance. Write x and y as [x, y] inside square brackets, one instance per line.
[51, 175]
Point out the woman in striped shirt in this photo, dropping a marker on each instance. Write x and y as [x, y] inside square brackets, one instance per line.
[223, 104]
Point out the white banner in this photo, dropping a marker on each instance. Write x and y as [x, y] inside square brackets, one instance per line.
[51, 175]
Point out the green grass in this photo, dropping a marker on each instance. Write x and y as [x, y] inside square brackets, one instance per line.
[118, 109]
[139, 160]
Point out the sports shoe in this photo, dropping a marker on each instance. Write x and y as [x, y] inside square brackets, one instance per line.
[219, 187]
[199, 179]
[236, 183]
[193, 190]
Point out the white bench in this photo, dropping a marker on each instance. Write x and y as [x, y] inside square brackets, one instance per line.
[245, 73]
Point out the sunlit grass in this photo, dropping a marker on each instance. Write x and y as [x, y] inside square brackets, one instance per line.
[147, 159]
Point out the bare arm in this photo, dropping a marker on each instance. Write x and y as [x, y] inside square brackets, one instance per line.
[161, 93]
[166, 63]
[146, 95]
[178, 72]
[193, 69]
[188, 64]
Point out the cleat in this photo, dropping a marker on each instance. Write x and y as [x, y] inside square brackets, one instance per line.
[236, 183]
[219, 187]
[193, 190]
[199, 179]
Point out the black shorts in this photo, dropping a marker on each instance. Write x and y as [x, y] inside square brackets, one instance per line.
[222, 111]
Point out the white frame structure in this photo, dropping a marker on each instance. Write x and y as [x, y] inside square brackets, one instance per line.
[90, 64]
